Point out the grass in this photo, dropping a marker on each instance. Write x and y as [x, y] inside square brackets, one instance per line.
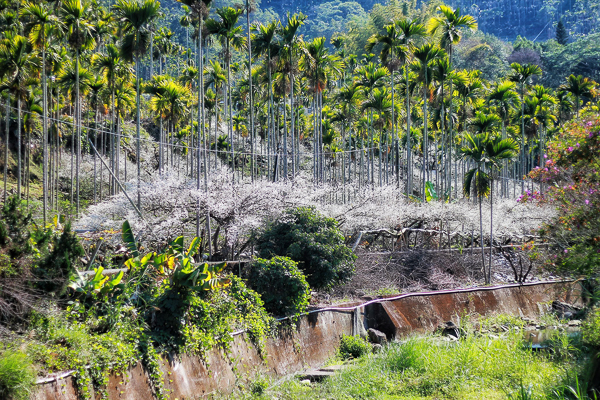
[17, 376]
[477, 367]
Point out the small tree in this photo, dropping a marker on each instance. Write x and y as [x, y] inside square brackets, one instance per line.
[312, 240]
[281, 285]
[562, 36]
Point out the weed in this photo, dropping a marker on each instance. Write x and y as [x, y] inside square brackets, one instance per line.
[353, 347]
[17, 375]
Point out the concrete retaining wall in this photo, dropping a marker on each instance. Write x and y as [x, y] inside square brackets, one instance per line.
[424, 313]
[316, 338]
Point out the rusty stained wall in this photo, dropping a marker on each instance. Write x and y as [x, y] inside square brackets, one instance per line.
[400, 317]
[309, 344]
[316, 338]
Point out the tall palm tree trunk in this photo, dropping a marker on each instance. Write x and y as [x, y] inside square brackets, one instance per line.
[229, 111]
[6, 145]
[78, 131]
[285, 134]
[489, 277]
[293, 137]
[409, 172]
[137, 128]
[45, 139]
[425, 139]
[251, 95]
[523, 155]
[19, 146]
[481, 229]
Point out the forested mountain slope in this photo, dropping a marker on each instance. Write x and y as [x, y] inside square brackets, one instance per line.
[504, 18]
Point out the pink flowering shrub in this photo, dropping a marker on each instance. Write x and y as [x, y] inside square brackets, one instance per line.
[572, 173]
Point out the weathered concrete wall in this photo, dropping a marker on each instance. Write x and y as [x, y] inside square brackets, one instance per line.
[307, 345]
[316, 338]
[420, 313]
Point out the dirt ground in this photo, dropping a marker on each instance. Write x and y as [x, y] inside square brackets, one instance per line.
[380, 273]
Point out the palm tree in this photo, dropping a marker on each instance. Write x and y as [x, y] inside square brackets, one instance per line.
[379, 102]
[580, 87]
[393, 52]
[565, 105]
[319, 67]
[124, 103]
[442, 73]
[199, 9]
[249, 41]
[96, 86]
[231, 36]
[449, 27]
[368, 78]
[264, 43]
[477, 180]
[411, 30]
[521, 75]
[112, 66]
[504, 99]
[424, 56]
[137, 17]
[74, 14]
[31, 108]
[288, 47]
[347, 107]
[498, 151]
[71, 79]
[171, 102]
[41, 24]
[215, 78]
[17, 64]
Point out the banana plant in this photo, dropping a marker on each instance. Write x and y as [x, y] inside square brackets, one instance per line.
[176, 263]
[97, 285]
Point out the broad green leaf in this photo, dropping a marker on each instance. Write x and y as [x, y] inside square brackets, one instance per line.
[194, 246]
[430, 193]
[129, 239]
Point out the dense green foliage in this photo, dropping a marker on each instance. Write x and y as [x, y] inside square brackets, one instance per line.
[505, 19]
[281, 285]
[166, 302]
[312, 240]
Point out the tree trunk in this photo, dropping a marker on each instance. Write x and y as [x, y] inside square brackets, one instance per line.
[229, 110]
[489, 279]
[137, 129]
[6, 145]
[77, 131]
[251, 99]
[45, 139]
[522, 139]
[408, 141]
[19, 147]
[425, 139]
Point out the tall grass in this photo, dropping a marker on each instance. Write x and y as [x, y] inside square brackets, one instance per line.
[17, 376]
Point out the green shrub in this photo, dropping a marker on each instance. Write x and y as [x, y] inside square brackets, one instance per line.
[259, 386]
[17, 376]
[281, 285]
[353, 347]
[591, 328]
[58, 266]
[312, 240]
